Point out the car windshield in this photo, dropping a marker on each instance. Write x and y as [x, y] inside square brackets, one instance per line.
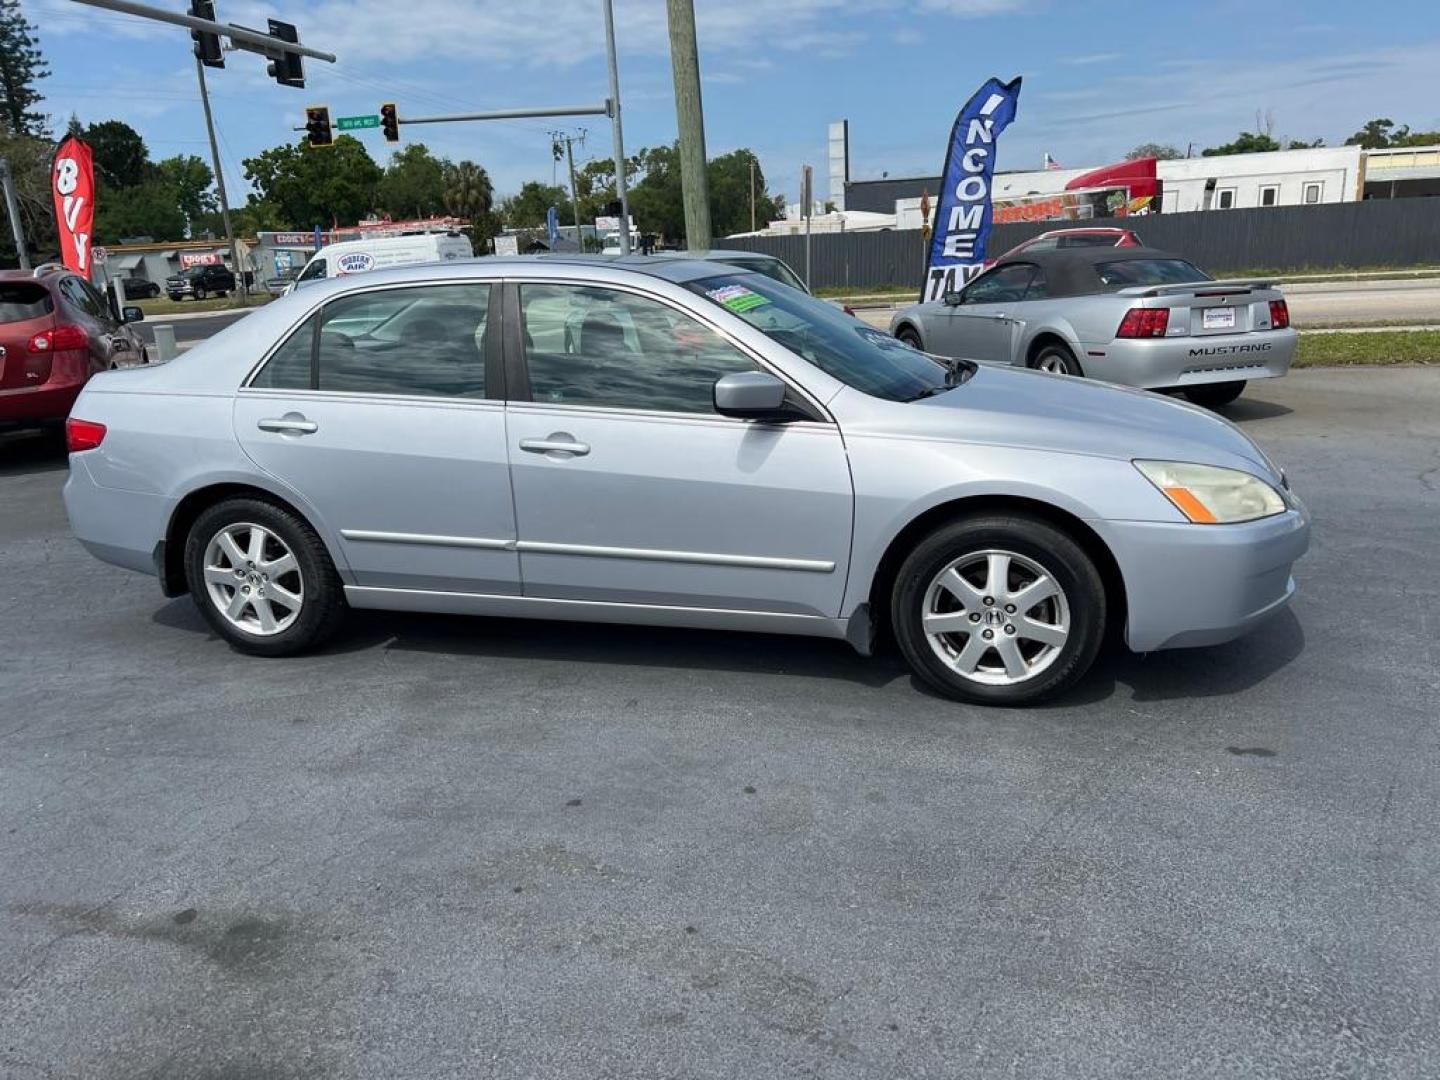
[1130, 272]
[840, 345]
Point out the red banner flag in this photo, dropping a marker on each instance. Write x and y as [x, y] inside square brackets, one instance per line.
[72, 182]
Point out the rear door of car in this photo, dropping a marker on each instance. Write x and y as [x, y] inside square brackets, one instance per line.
[630, 488]
[384, 411]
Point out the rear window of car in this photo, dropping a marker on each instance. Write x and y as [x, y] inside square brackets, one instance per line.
[24, 300]
[771, 268]
[1074, 240]
[1131, 272]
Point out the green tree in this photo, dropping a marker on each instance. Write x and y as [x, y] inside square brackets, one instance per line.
[21, 66]
[414, 183]
[29, 160]
[121, 159]
[658, 203]
[316, 186]
[1159, 151]
[1381, 133]
[468, 192]
[656, 200]
[190, 180]
[1247, 142]
[527, 208]
[247, 220]
[147, 209]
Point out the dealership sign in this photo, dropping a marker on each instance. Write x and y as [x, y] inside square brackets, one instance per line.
[964, 214]
[72, 183]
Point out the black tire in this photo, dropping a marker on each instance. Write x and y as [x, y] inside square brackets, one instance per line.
[177, 297]
[222, 293]
[1057, 356]
[199, 292]
[324, 605]
[1053, 551]
[152, 292]
[1213, 395]
[910, 336]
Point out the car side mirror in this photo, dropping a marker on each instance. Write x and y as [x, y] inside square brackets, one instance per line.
[953, 298]
[130, 313]
[751, 395]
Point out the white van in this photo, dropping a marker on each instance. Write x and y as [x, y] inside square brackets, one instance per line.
[357, 256]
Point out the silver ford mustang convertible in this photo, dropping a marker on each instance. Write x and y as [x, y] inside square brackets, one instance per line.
[1125, 315]
[674, 443]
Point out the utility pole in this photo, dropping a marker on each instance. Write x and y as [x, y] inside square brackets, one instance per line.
[621, 188]
[752, 194]
[12, 207]
[569, 140]
[690, 120]
[220, 183]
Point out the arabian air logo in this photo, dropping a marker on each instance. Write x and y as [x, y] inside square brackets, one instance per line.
[357, 262]
[961, 229]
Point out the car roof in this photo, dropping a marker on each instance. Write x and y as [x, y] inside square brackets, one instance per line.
[676, 266]
[1070, 271]
[1117, 229]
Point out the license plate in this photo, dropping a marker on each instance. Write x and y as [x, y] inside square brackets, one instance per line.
[1219, 318]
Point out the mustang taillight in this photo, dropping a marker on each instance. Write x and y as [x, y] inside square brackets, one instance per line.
[1142, 322]
[58, 338]
[1279, 315]
[83, 435]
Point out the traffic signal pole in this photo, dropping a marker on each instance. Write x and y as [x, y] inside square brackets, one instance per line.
[240, 35]
[220, 184]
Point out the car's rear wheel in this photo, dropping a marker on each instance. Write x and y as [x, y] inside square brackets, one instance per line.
[909, 336]
[262, 578]
[1058, 360]
[1000, 609]
[1213, 395]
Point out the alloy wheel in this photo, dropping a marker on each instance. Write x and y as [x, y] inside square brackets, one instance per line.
[1054, 363]
[996, 617]
[253, 579]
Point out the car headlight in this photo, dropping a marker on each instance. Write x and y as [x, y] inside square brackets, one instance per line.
[1210, 495]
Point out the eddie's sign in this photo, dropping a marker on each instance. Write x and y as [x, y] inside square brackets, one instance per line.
[72, 183]
[964, 215]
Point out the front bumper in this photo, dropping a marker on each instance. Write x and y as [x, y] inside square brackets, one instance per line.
[1161, 363]
[1189, 585]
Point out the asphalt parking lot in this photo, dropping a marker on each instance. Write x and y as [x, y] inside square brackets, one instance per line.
[451, 847]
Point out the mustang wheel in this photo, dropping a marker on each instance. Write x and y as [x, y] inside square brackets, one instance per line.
[1213, 395]
[262, 578]
[1058, 360]
[1000, 609]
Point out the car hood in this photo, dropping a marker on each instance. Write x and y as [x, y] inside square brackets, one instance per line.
[1039, 411]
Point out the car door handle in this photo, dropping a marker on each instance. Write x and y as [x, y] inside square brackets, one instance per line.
[289, 425]
[559, 443]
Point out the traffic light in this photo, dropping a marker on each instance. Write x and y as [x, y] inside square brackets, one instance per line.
[207, 46]
[390, 122]
[289, 68]
[317, 125]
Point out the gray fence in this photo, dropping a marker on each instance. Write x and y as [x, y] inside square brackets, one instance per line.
[1381, 232]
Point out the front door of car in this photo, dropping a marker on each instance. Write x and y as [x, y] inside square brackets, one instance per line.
[630, 489]
[383, 412]
[986, 323]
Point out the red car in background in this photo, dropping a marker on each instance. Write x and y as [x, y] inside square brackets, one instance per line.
[1098, 236]
[57, 330]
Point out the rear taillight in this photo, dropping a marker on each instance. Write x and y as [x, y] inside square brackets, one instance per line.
[61, 337]
[1279, 315]
[1142, 322]
[83, 435]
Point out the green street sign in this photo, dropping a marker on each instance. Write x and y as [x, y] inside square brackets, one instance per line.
[355, 123]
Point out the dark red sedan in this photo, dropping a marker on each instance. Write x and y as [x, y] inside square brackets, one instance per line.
[57, 330]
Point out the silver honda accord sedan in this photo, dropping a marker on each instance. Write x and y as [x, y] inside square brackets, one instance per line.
[671, 443]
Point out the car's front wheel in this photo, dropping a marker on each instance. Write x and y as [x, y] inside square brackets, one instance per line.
[1000, 609]
[1213, 395]
[262, 578]
[910, 337]
[199, 292]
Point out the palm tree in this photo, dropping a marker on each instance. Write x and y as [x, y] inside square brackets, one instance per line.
[468, 192]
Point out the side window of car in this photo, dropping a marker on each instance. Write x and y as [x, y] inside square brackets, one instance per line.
[98, 305]
[289, 366]
[1004, 285]
[1046, 243]
[1037, 289]
[427, 341]
[73, 290]
[607, 348]
[315, 268]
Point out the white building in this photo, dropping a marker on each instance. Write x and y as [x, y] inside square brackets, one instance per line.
[1283, 178]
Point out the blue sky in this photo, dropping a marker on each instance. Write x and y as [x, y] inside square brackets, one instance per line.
[1099, 77]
